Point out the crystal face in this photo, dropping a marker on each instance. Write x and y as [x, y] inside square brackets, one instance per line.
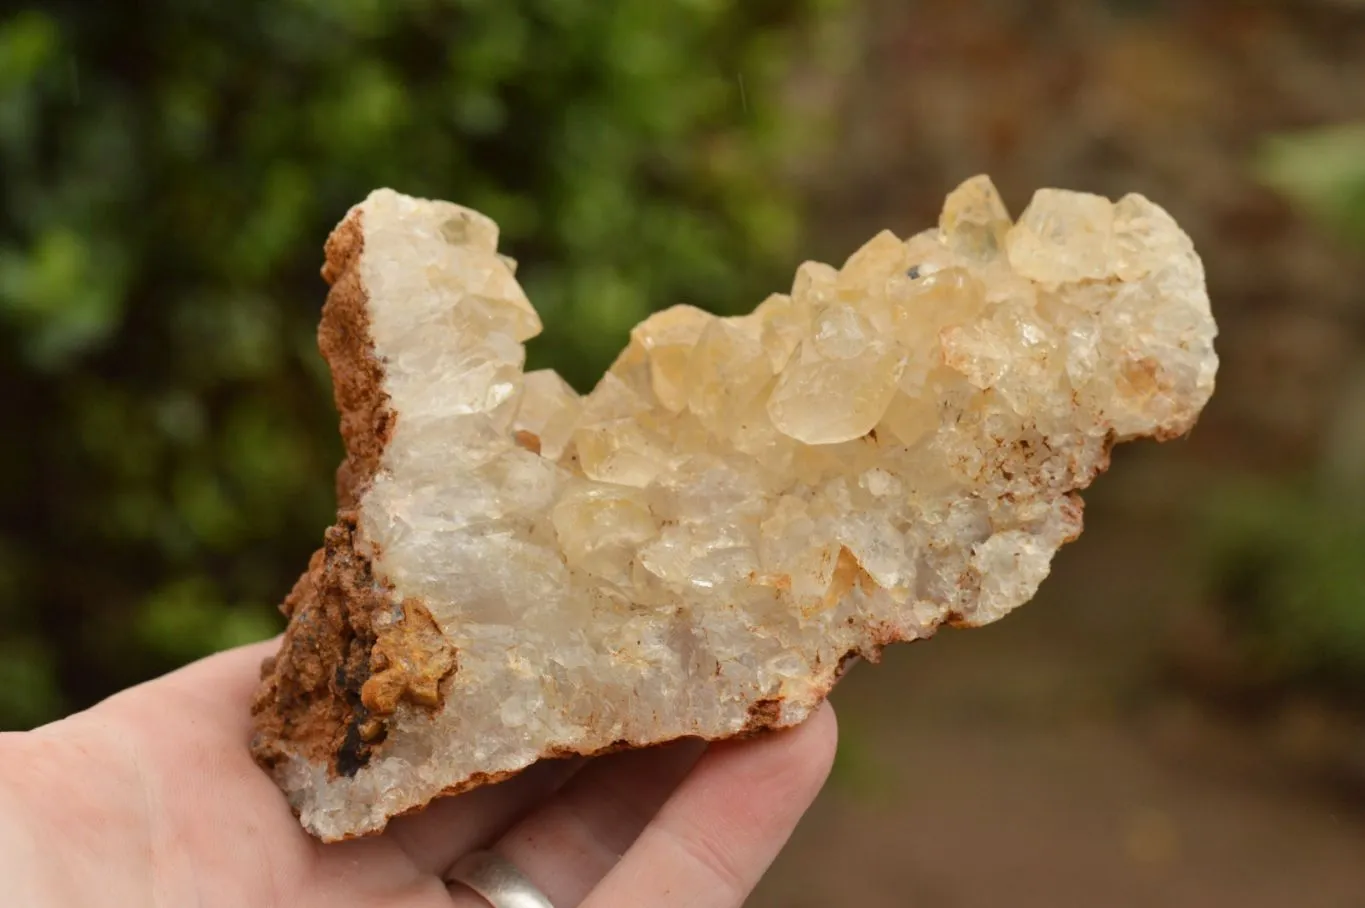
[700, 545]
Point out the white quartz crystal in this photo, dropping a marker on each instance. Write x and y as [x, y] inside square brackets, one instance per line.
[695, 547]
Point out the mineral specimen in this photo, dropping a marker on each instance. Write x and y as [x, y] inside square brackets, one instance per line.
[743, 505]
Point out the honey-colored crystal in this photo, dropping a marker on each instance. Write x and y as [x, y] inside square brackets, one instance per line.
[699, 545]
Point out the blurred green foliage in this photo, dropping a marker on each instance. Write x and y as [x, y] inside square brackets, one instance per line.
[1322, 170]
[169, 170]
[1289, 556]
[1288, 562]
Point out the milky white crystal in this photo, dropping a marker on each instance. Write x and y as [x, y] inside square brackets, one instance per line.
[697, 546]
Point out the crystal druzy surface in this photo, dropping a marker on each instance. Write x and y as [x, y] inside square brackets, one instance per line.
[702, 544]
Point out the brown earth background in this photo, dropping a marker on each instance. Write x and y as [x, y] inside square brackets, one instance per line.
[1086, 750]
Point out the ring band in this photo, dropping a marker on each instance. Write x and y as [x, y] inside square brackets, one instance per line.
[498, 880]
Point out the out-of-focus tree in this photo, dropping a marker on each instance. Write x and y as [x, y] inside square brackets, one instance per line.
[1288, 557]
[1324, 171]
[169, 170]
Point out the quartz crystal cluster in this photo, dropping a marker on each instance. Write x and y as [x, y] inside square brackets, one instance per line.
[741, 506]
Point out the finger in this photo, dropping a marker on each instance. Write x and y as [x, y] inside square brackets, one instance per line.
[576, 837]
[434, 837]
[212, 694]
[225, 681]
[716, 836]
[190, 729]
[175, 751]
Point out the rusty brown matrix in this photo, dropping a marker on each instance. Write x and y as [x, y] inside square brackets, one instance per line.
[740, 507]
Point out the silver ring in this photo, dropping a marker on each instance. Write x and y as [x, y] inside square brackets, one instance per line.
[498, 880]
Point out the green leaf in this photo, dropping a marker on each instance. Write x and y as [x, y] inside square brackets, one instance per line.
[29, 694]
[1323, 170]
[29, 43]
[63, 294]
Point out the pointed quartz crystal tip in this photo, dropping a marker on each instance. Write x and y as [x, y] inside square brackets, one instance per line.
[974, 220]
[697, 546]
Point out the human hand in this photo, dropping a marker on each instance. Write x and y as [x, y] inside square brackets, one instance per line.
[151, 800]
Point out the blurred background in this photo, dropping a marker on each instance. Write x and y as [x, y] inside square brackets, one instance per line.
[1178, 720]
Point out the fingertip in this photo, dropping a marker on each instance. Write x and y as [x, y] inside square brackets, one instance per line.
[823, 727]
[809, 745]
[216, 689]
[237, 669]
[811, 748]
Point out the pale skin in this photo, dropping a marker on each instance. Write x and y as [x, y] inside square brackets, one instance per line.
[151, 800]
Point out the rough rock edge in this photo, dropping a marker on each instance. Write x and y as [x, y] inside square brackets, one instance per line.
[765, 716]
[340, 674]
